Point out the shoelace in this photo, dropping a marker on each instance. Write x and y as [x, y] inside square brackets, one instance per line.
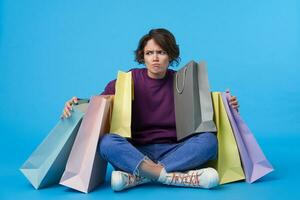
[132, 179]
[186, 179]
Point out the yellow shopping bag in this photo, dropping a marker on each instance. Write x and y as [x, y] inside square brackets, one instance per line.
[121, 115]
[228, 163]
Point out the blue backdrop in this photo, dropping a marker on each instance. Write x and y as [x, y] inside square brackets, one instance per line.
[53, 50]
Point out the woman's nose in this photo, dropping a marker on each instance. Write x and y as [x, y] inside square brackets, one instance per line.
[155, 56]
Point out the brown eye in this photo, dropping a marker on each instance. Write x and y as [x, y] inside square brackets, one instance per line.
[148, 52]
[162, 52]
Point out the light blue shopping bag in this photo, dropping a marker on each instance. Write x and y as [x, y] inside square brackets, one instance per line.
[46, 164]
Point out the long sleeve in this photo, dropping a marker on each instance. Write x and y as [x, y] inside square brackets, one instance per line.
[110, 88]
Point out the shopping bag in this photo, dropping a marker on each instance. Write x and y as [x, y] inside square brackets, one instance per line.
[121, 116]
[85, 168]
[228, 163]
[254, 162]
[46, 164]
[193, 103]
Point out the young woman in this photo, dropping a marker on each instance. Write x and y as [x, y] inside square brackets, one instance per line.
[153, 153]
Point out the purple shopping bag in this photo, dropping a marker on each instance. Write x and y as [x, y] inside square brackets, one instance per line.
[254, 162]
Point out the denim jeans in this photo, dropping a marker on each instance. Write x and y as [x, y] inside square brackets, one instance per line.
[188, 154]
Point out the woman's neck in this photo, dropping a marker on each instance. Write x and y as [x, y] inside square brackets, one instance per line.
[156, 76]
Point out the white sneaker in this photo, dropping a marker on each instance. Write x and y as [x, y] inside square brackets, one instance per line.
[202, 178]
[122, 180]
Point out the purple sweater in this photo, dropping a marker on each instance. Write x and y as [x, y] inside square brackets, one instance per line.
[153, 110]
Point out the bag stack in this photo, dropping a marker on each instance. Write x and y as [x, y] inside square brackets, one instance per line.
[255, 163]
[228, 163]
[198, 110]
[68, 154]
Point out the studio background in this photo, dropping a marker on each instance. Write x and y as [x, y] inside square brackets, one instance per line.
[53, 50]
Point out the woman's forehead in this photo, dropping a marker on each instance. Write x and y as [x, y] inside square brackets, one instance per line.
[152, 45]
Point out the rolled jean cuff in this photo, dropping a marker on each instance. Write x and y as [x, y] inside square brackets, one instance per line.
[163, 165]
[136, 171]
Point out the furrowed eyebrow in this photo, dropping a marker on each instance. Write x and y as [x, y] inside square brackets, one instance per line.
[154, 50]
[157, 51]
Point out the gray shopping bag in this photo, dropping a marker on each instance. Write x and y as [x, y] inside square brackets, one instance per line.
[193, 103]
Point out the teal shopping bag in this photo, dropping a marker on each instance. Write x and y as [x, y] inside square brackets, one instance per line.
[46, 164]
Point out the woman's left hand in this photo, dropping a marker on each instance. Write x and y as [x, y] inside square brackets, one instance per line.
[234, 102]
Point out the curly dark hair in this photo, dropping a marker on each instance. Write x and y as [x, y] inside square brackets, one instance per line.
[165, 39]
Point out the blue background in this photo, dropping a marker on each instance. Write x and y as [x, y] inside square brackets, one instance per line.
[53, 50]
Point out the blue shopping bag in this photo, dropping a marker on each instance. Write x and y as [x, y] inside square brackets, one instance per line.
[46, 164]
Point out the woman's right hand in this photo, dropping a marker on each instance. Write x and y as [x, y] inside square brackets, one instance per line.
[68, 107]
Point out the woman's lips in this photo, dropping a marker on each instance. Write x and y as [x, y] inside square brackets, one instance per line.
[156, 65]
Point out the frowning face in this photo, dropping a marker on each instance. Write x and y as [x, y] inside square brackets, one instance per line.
[156, 60]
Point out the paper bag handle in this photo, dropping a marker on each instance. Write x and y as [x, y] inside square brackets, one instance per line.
[184, 74]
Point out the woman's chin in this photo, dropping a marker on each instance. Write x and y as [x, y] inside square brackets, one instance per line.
[158, 70]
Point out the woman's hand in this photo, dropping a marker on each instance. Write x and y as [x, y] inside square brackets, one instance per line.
[68, 107]
[233, 101]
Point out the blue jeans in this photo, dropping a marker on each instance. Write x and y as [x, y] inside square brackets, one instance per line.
[185, 155]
